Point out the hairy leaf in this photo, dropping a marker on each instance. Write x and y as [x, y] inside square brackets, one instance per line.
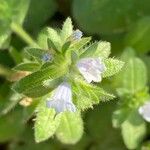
[32, 82]
[133, 130]
[86, 95]
[67, 29]
[98, 49]
[134, 76]
[113, 66]
[70, 129]
[37, 53]
[77, 46]
[46, 123]
[30, 66]
[54, 36]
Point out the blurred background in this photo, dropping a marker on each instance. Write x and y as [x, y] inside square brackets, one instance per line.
[123, 23]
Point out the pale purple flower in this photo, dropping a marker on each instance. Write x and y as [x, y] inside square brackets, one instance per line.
[46, 57]
[91, 69]
[77, 34]
[61, 100]
[144, 111]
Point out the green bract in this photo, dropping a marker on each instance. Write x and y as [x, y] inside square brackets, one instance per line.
[54, 62]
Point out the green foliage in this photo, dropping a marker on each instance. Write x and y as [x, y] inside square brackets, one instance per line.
[85, 95]
[133, 130]
[39, 13]
[70, 129]
[46, 123]
[44, 77]
[36, 70]
[138, 36]
[100, 129]
[134, 76]
[77, 46]
[119, 116]
[101, 49]
[37, 53]
[113, 66]
[27, 67]
[31, 84]
[11, 125]
[67, 29]
[101, 12]
[131, 84]
[11, 11]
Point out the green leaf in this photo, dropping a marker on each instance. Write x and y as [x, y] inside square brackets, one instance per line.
[113, 66]
[127, 54]
[30, 66]
[54, 36]
[66, 46]
[98, 49]
[20, 10]
[138, 36]
[133, 130]
[70, 129]
[67, 29]
[37, 53]
[39, 13]
[52, 46]
[86, 95]
[11, 11]
[46, 123]
[42, 39]
[33, 84]
[98, 126]
[39, 90]
[77, 46]
[10, 101]
[119, 116]
[11, 125]
[106, 17]
[133, 77]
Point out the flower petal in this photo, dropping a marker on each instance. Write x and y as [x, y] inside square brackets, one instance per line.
[62, 99]
[144, 111]
[91, 69]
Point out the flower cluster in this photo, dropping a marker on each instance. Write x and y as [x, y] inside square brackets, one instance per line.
[90, 68]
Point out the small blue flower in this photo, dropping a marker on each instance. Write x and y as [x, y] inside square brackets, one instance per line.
[77, 34]
[46, 57]
[62, 99]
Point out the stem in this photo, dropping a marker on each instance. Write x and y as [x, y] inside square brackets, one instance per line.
[23, 34]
